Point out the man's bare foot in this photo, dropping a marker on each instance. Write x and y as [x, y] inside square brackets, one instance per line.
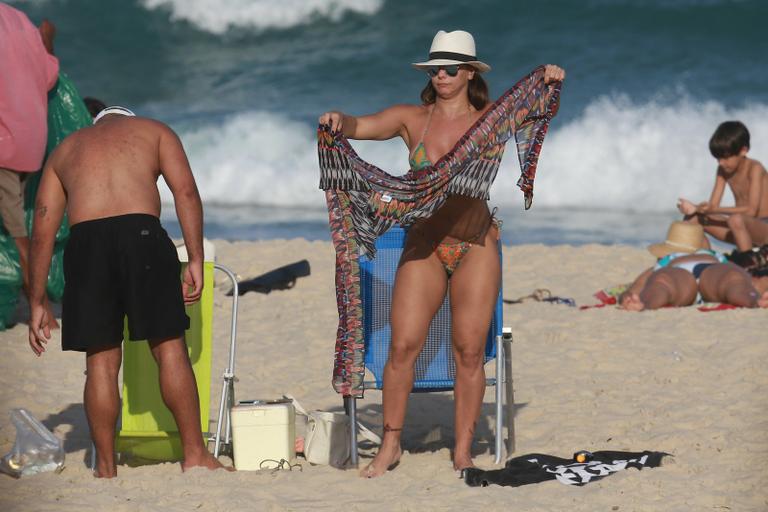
[105, 471]
[632, 302]
[463, 462]
[386, 460]
[206, 460]
[762, 302]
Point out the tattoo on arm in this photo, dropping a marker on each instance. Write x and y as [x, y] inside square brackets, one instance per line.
[42, 211]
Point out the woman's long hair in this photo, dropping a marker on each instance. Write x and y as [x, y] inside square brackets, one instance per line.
[477, 92]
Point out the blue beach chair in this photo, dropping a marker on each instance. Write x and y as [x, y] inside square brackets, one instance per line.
[435, 368]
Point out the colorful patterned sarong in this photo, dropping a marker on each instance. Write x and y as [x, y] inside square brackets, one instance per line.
[365, 201]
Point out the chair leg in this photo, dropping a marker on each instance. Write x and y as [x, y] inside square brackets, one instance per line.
[350, 406]
[510, 395]
[228, 386]
[220, 418]
[93, 457]
[499, 401]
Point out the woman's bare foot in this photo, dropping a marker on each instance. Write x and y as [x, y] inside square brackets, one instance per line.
[762, 302]
[386, 460]
[632, 302]
[206, 460]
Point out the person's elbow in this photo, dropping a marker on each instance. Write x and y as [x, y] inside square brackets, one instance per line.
[752, 210]
[186, 193]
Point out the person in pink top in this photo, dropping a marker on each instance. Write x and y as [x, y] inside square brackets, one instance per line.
[28, 70]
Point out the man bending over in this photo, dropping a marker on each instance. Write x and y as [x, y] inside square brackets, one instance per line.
[119, 261]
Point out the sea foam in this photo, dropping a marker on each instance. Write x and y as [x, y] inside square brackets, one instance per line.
[616, 154]
[218, 17]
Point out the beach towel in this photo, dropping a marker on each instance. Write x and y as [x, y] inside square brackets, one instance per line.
[364, 201]
[610, 296]
[535, 468]
[607, 296]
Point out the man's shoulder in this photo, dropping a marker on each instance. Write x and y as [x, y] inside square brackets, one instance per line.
[148, 123]
[65, 145]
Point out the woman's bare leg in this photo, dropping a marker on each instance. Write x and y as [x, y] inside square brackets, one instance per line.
[666, 287]
[731, 284]
[474, 290]
[418, 293]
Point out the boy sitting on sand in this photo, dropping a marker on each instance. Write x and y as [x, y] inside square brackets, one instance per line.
[746, 223]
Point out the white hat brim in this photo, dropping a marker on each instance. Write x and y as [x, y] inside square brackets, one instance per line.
[481, 67]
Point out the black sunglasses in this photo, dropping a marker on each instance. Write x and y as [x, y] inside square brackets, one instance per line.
[451, 70]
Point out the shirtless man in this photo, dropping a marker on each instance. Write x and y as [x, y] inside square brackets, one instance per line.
[119, 261]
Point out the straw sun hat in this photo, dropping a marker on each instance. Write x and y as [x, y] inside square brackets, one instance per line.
[457, 47]
[681, 237]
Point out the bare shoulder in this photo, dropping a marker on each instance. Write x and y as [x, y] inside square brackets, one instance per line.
[64, 147]
[404, 112]
[756, 167]
[154, 125]
[414, 114]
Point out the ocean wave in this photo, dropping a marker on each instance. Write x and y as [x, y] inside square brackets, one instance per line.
[620, 154]
[617, 154]
[218, 17]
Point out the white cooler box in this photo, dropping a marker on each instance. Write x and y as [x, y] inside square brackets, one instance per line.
[263, 433]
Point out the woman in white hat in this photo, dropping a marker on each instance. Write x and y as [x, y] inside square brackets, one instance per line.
[457, 242]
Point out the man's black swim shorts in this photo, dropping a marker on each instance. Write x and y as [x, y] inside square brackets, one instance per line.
[116, 267]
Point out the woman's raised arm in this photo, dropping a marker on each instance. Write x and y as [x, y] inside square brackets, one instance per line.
[382, 125]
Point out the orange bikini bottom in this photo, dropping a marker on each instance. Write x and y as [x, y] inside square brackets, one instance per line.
[450, 254]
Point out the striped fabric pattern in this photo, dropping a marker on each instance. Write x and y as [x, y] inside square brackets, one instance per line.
[365, 201]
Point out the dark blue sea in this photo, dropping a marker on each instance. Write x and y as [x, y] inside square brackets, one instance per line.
[243, 82]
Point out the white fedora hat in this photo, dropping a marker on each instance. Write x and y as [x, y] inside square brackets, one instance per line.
[457, 47]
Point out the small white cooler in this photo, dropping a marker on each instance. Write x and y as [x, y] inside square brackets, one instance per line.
[263, 433]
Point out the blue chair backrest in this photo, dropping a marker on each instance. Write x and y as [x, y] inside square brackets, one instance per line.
[435, 367]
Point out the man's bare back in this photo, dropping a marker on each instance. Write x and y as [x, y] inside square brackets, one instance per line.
[111, 168]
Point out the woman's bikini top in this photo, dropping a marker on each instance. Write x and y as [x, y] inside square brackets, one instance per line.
[419, 160]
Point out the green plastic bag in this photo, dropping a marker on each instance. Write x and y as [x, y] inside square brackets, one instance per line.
[10, 280]
[66, 114]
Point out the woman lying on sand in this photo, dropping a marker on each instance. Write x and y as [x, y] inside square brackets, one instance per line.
[686, 274]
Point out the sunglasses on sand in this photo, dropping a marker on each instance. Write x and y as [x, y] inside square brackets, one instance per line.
[451, 70]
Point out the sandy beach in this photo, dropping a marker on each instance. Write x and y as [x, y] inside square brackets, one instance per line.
[677, 380]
